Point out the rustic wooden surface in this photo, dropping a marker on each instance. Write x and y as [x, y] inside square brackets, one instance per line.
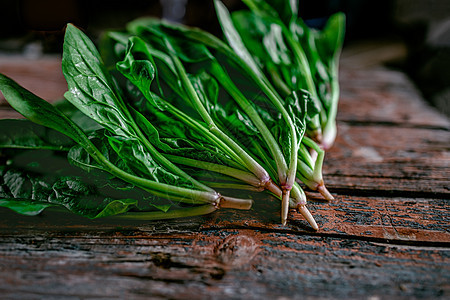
[386, 235]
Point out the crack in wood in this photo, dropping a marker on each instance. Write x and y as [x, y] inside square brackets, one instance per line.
[394, 241]
[391, 124]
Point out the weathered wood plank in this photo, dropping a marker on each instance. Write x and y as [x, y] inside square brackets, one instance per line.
[398, 160]
[223, 263]
[384, 96]
[409, 221]
[386, 235]
[43, 76]
[393, 220]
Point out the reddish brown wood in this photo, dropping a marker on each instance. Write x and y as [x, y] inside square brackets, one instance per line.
[385, 236]
[222, 263]
[400, 160]
[42, 75]
[384, 96]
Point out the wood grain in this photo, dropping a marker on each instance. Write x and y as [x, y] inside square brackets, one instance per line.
[386, 235]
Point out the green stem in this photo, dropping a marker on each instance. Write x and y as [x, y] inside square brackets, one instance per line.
[171, 214]
[330, 130]
[303, 63]
[263, 156]
[298, 194]
[305, 155]
[278, 81]
[315, 180]
[305, 174]
[218, 72]
[194, 196]
[233, 186]
[249, 162]
[317, 173]
[236, 203]
[239, 174]
[204, 131]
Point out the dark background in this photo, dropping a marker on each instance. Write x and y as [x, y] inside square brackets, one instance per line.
[35, 28]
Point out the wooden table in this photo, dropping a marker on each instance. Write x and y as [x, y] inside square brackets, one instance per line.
[385, 236]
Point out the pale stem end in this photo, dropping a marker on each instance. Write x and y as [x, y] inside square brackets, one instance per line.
[307, 215]
[322, 189]
[285, 206]
[230, 202]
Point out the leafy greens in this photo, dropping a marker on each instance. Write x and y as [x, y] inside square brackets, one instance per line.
[175, 113]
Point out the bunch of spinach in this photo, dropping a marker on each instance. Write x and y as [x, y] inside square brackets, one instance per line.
[310, 169]
[171, 101]
[118, 145]
[293, 55]
[258, 147]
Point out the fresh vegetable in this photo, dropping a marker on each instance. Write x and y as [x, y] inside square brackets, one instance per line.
[122, 149]
[175, 114]
[293, 55]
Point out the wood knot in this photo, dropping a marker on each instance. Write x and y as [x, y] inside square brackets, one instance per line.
[236, 250]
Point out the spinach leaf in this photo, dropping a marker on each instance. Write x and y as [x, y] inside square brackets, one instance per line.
[29, 189]
[24, 134]
[91, 88]
[93, 91]
[39, 111]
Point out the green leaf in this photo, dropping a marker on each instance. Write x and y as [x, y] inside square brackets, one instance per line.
[91, 88]
[116, 207]
[330, 40]
[38, 110]
[30, 191]
[27, 135]
[142, 72]
[24, 207]
[234, 38]
[285, 10]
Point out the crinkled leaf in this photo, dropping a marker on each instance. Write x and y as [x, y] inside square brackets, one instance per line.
[134, 155]
[262, 37]
[29, 191]
[91, 88]
[142, 72]
[173, 137]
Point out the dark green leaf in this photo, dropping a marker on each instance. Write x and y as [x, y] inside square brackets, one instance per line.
[27, 135]
[39, 111]
[91, 88]
[29, 191]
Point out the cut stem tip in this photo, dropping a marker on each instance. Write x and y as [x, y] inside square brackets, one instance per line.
[285, 206]
[307, 214]
[324, 192]
[230, 202]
